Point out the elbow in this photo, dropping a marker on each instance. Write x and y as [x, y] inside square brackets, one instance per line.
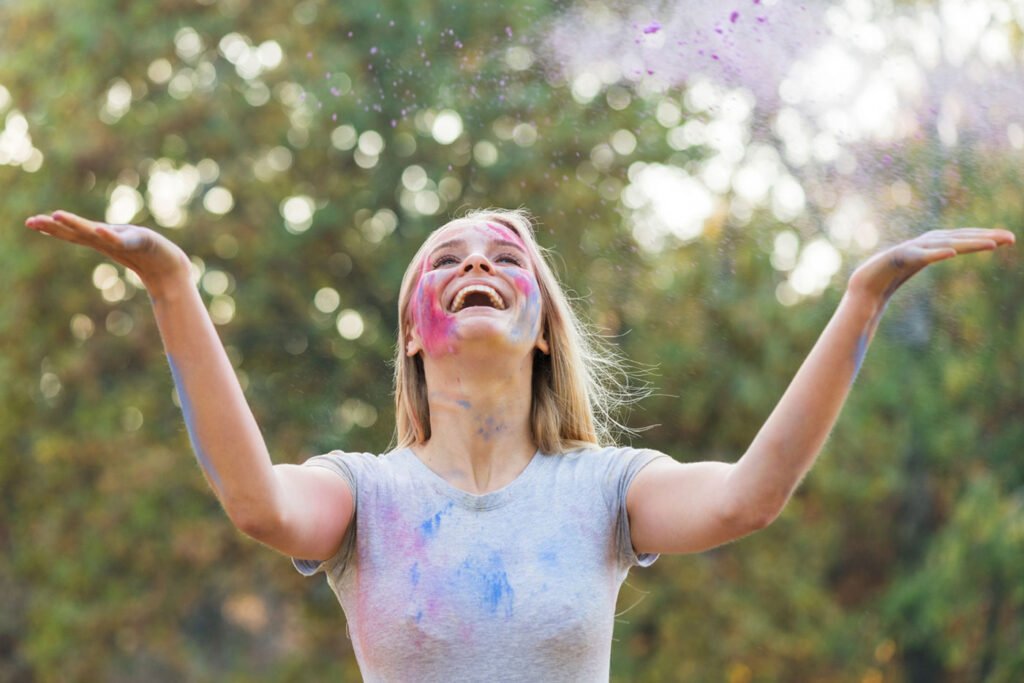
[748, 517]
[761, 517]
[256, 524]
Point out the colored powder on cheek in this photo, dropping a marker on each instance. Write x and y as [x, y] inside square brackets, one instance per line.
[433, 324]
[529, 323]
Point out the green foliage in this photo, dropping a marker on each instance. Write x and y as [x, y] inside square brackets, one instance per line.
[900, 556]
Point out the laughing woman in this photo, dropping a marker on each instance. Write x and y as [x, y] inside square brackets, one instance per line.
[491, 543]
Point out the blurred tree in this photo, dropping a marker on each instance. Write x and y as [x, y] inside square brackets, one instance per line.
[301, 152]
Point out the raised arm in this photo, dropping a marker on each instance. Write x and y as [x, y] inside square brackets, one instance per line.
[677, 508]
[303, 512]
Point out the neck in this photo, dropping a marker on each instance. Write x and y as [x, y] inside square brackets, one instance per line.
[479, 420]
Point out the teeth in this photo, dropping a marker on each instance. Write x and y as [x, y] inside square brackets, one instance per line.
[460, 298]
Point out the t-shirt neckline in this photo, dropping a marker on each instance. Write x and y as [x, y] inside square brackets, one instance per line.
[473, 501]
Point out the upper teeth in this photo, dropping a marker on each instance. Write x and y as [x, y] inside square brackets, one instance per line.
[460, 298]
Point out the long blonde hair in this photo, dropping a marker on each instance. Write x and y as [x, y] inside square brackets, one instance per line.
[576, 387]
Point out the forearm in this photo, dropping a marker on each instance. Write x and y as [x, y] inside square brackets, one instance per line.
[790, 440]
[224, 434]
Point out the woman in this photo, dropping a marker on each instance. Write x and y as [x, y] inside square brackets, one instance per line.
[491, 543]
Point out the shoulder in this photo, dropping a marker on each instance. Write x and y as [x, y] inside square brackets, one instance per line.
[610, 457]
[360, 466]
[612, 468]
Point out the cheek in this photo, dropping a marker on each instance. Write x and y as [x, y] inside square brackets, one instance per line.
[434, 325]
[529, 317]
[526, 285]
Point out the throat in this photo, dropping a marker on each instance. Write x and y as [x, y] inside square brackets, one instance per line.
[478, 472]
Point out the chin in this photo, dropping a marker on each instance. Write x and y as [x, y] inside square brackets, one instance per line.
[487, 335]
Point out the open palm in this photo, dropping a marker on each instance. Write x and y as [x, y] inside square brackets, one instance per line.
[886, 271]
[147, 252]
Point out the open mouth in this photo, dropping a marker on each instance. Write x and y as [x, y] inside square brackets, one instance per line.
[477, 295]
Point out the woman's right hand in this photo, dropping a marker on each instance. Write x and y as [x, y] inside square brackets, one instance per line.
[152, 256]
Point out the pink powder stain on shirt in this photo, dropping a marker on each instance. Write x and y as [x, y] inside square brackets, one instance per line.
[379, 597]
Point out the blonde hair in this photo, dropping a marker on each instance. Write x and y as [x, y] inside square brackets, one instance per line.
[577, 387]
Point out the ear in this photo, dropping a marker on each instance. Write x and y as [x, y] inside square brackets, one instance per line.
[413, 345]
[542, 343]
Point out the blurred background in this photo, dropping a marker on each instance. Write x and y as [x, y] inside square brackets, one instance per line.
[707, 173]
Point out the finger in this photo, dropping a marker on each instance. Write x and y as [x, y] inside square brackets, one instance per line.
[997, 235]
[962, 245]
[75, 222]
[936, 255]
[1004, 237]
[51, 227]
[108, 235]
[35, 223]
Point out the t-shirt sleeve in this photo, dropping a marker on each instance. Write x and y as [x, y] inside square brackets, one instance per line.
[355, 469]
[623, 467]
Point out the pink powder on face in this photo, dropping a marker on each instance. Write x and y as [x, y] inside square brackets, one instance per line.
[527, 325]
[506, 234]
[435, 326]
[524, 283]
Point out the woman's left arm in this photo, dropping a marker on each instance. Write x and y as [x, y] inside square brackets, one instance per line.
[677, 508]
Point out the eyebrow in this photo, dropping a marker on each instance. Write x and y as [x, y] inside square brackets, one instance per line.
[462, 243]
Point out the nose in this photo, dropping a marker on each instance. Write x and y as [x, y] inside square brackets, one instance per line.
[476, 262]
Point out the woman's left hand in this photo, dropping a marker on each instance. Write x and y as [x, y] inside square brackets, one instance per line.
[882, 274]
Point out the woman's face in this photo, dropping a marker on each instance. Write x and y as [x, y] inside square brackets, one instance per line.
[476, 285]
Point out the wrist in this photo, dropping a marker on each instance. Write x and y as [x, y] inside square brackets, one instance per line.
[168, 284]
[866, 303]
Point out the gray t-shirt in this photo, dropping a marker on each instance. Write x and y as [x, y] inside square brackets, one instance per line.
[520, 584]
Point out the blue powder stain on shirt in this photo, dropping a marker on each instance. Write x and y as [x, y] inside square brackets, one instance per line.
[186, 409]
[431, 526]
[491, 581]
[498, 589]
[414, 574]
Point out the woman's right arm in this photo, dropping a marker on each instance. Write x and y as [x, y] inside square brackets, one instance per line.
[302, 512]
